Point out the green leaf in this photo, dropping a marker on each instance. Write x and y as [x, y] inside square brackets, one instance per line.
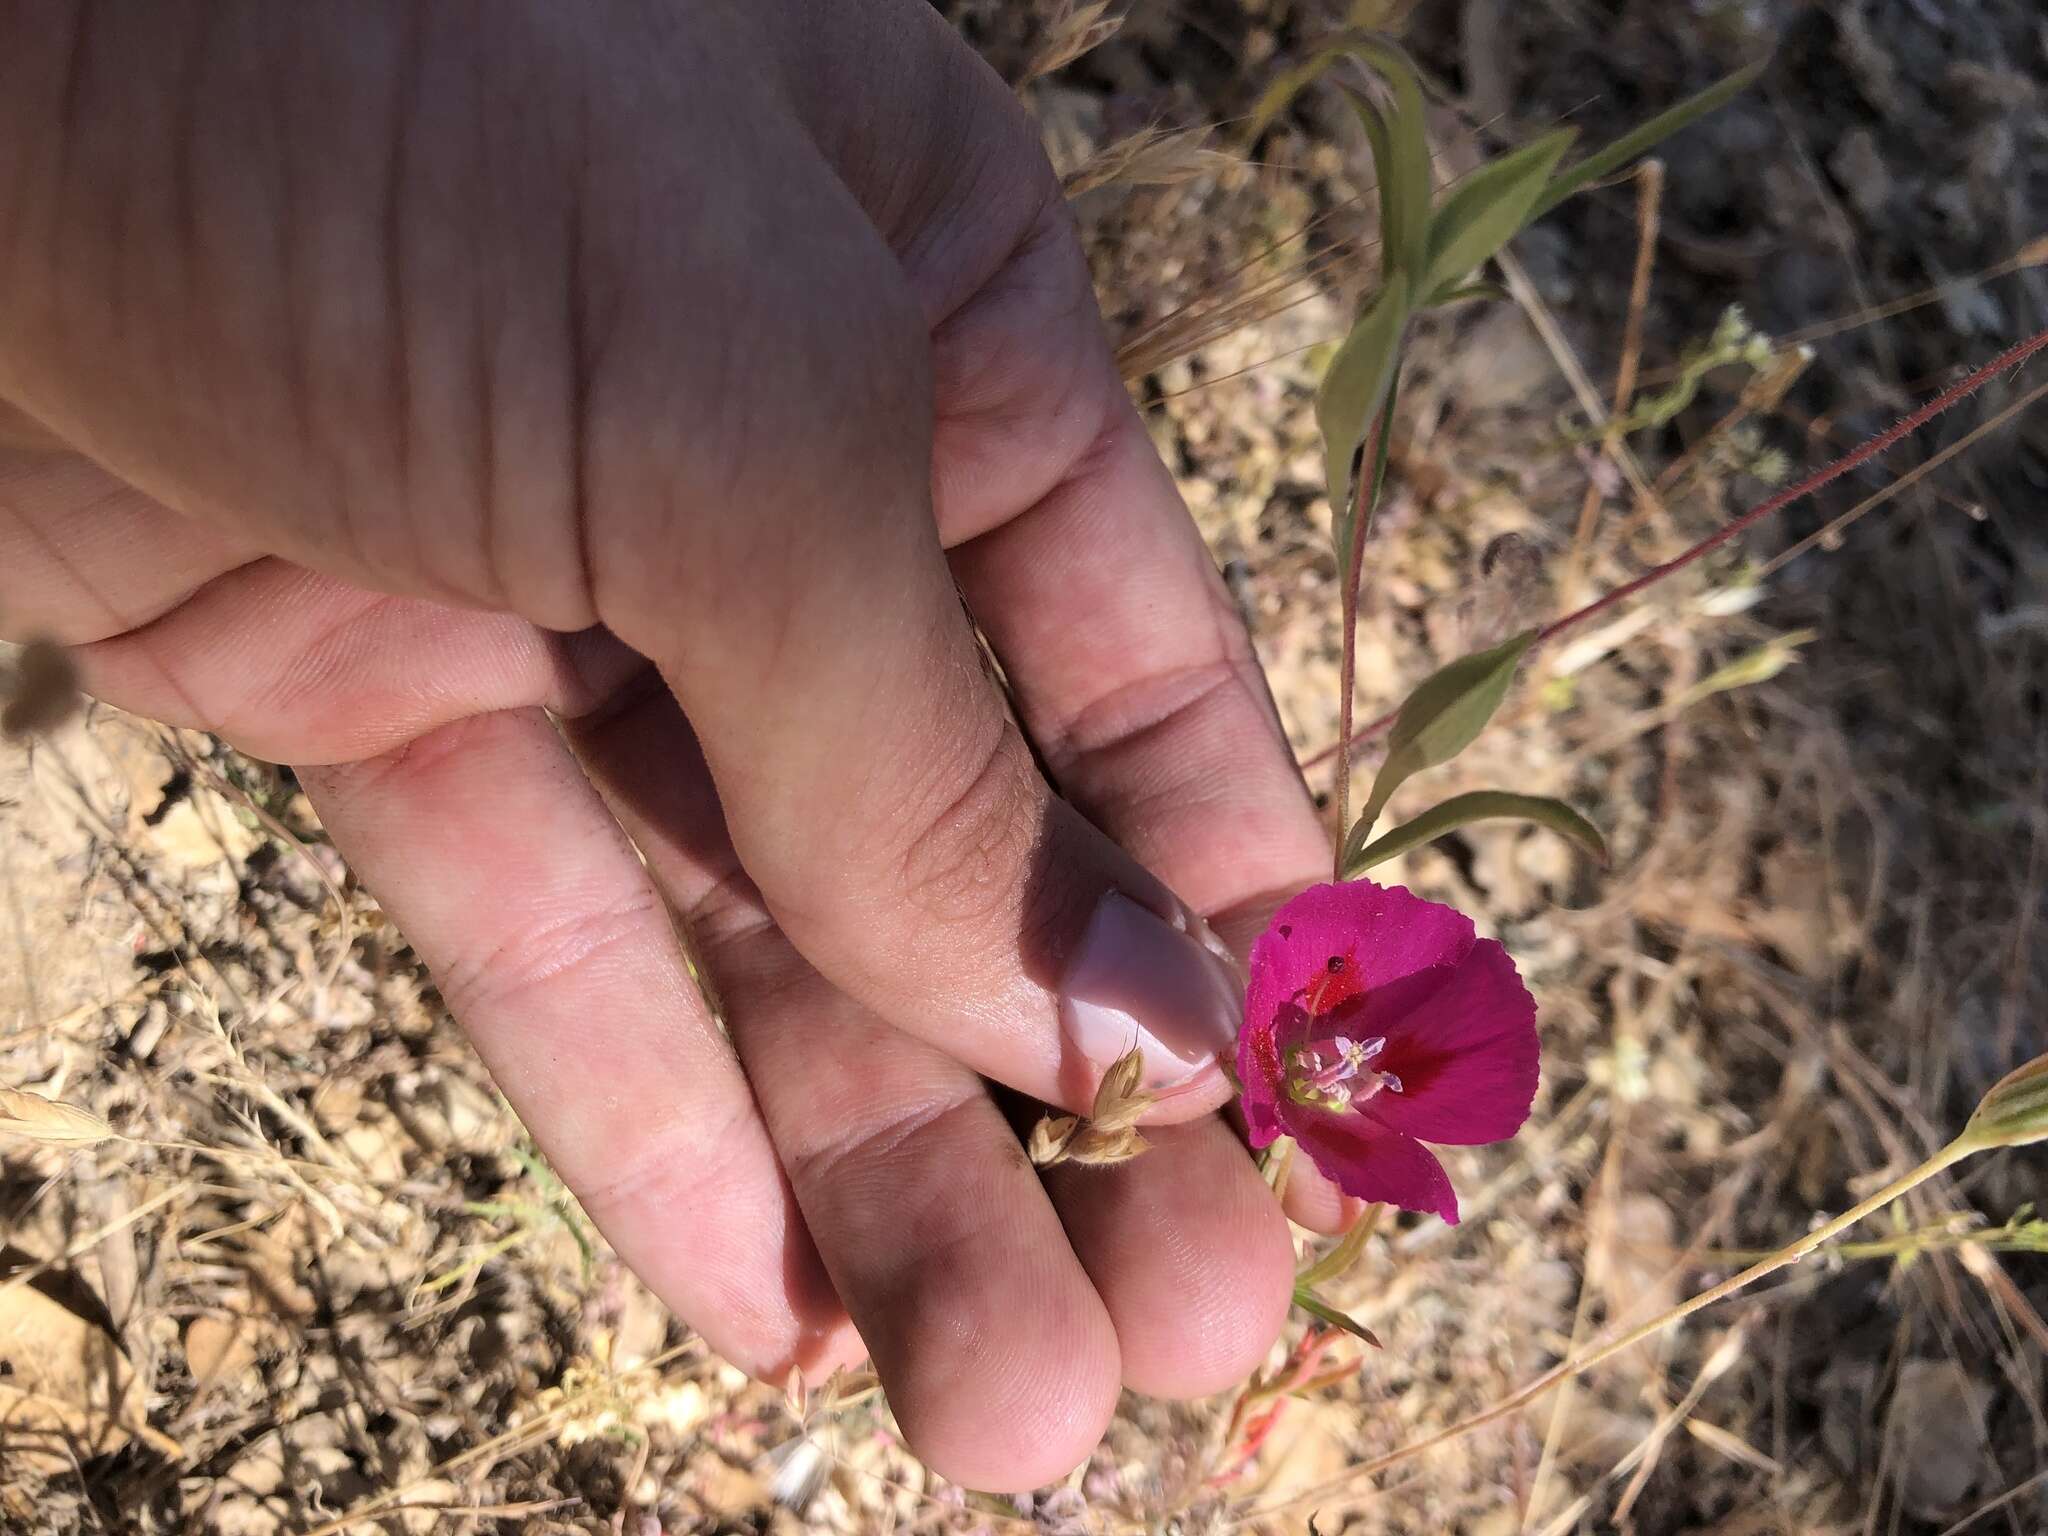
[1322, 1311]
[1605, 162]
[1488, 208]
[1400, 158]
[1381, 139]
[1354, 387]
[1440, 719]
[1463, 810]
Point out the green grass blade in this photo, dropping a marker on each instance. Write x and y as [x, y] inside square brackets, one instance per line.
[1481, 805]
[1605, 162]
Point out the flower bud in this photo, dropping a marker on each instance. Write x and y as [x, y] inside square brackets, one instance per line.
[2015, 1111]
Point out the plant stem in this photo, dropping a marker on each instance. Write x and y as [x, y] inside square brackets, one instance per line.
[1365, 500]
[1870, 449]
[1607, 1349]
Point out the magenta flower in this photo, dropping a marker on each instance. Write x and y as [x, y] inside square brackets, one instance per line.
[1376, 1021]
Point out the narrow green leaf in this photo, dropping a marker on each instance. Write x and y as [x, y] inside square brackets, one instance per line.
[1354, 387]
[1440, 719]
[1488, 208]
[1334, 1264]
[1400, 143]
[1605, 162]
[1322, 1311]
[1463, 810]
[1406, 186]
[1381, 140]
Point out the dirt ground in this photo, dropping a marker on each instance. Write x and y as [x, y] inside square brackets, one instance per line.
[319, 1282]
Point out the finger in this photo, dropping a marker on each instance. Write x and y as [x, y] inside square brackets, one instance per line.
[1312, 1201]
[296, 667]
[1000, 1362]
[1137, 681]
[83, 556]
[1189, 1254]
[556, 953]
[1131, 668]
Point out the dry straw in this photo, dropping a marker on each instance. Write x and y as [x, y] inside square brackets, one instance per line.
[46, 1120]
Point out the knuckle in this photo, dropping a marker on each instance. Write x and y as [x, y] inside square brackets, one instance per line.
[867, 1145]
[1158, 705]
[544, 954]
[966, 861]
[728, 916]
[674, 1168]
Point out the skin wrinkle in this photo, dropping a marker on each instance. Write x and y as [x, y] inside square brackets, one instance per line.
[877, 1144]
[996, 369]
[1159, 704]
[955, 869]
[115, 620]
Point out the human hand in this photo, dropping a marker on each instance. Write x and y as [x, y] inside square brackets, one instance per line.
[377, 379]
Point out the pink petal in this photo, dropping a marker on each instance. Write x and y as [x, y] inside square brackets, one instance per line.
[1259, 1078]
[1464, 1048]
[1388, 933]
[1370, 1162]
[1261, 1101]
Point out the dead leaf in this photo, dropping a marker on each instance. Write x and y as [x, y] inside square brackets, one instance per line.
[728, 1492]
[66, 1389]
[221, 1350]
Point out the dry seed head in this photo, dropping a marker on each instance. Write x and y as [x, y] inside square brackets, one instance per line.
[1049, 1139]
[1151, 157]
[1725, 1355]
[1097, 1148]
[1119, 1102]
[1080, 26]
[39, 1119]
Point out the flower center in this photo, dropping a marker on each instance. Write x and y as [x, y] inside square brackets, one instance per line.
[1337, 1073]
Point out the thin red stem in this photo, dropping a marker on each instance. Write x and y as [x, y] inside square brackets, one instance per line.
[1870, 449]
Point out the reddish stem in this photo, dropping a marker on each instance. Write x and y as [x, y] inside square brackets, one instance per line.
[2010, 358]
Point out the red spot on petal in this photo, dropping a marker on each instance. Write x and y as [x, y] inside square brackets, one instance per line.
[1335, 985]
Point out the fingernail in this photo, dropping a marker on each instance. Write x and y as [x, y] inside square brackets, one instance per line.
[1138, 980]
